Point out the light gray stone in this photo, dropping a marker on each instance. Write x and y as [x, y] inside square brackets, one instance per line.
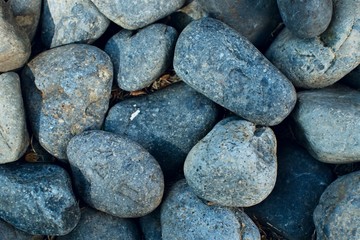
[224, 66]
[14, 137]
[234, 164]
[322, 61]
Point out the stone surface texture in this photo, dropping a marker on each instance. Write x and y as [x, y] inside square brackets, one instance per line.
[151, 225]
[8, 232]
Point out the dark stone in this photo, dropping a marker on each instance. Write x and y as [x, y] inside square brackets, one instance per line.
[224, 66]
[353, 78]
[8, 232]
[141, 57]
[38, 198]
[151, 225]
[168, 123]
[301, 180]
[67, 91]
[306, 19]
[338, 214]
[95, 225]
[114, 174]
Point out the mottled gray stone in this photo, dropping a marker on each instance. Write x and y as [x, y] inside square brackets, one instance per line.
[95, 225]
[132, 15]
[15, 44]
[14, 138]
[114, 174]
[306, 19]
[67, 91]
[254, 19]
[141, 57]
[27, 15]
[353, 78]
[71, 21]
[168, 123]
[151, 225]
[301, 180]
[320, 62]
[8, 232]
[327, 123]
[38, 198]
[185, 216]
[224, 66]
[338, 214]
[234, 164]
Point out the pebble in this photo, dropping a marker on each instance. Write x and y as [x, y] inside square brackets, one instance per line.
[338, 214]
[224, 66]
[185, 216]
[67, 91]
[94, 225]
[8, 232]
[114, 174]
[15, 44]
[320, 62]
[71, 21]
[141, 57]
[327, 123]
[233, 165]
[14, 137]
[168, 123]
[151, 225]
[301, 180]
[137, 14]
[38, 198]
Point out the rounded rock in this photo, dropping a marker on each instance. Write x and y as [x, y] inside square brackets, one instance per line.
[8, 232]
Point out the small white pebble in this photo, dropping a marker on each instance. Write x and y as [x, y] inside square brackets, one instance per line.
[134, 114]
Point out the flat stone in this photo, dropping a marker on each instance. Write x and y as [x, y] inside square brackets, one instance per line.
[338, 213]
[14, 137]
[320, 62]
[301, 180]
[327, 123]
[114, 174]
[38, 198]
[185, 216]
[151, 225]
[168, 123]
[15, 44]
[8, 232]
[67, 91]
[136, 14]
[141, 57]
[234, 164]
[94, 225]
[224, 66]
[71, 21]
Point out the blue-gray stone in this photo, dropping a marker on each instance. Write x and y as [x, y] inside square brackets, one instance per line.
[234, 164]
[301, 180]
[224, 66]
[9, 232]
[38, 198]
[71, 21]
[141, 57]
[338, 214]
[151, 225]
[67, 91]
[115, 174]
[168, 123]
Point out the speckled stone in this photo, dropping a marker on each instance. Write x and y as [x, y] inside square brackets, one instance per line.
[132, 15]
[95, 225]
[38, 198]
[234, 165]
[320, 62]
[224, 66]
[327, 123]
[8, 232]
[185, 216]
[338, 214]
[14, 138]
[168, 123]
[67, 91]
[114, 174]
[151, 225]
[71, 21]
[141, 57]
[15, 44]
[306, 19]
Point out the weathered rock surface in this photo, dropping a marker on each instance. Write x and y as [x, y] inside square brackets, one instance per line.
[38, 198]
[114, 174]
[14, 137]
[8, 232]
[67, 91]
[224, 66]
